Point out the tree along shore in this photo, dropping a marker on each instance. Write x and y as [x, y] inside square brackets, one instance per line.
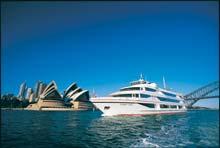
[11, 101]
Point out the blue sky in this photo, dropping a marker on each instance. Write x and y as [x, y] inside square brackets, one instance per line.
[105, 45]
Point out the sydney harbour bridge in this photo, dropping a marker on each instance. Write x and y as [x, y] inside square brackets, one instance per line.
[206, 92]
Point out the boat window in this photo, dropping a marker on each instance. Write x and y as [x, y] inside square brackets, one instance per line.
[123, 95]
[144, 96]
[172, 106]
[164, 106]
[131, 88]
[150, 89]
[169, 94]
[180, 106]
[106, 107]
[136, 95]
[168, 100]
[148, 105]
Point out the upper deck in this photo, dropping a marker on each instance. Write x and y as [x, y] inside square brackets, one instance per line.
[142, 88]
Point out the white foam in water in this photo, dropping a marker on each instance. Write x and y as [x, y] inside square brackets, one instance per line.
[164, 131]
[148, 135]
[149, 144]
[162, 128]
[145, 144]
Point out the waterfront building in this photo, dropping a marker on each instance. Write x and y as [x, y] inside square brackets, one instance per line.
[37, 86]
[22, 90]
[29, 92]
[42, 87]
[31, 99]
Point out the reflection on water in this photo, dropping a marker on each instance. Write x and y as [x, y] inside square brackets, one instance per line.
[89, 129]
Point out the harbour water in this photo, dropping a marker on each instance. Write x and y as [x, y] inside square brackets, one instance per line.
[35, 129]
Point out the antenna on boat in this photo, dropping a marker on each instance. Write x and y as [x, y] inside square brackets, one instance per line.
[164, 82]
[141, 77]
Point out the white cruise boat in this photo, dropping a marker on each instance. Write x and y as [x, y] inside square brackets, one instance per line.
[140, 98]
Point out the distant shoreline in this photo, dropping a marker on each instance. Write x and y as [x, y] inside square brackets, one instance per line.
[66, 109]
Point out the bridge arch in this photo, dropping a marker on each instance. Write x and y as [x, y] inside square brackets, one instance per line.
[201, 93]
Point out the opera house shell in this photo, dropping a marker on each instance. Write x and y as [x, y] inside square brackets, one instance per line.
[51, 99]
[79, 99]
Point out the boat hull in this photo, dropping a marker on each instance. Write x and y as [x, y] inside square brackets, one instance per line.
[115, 109]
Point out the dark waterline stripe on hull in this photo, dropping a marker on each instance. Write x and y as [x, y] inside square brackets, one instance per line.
[170, 113]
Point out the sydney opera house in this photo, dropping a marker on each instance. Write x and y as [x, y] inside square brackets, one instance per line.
[74, 98]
